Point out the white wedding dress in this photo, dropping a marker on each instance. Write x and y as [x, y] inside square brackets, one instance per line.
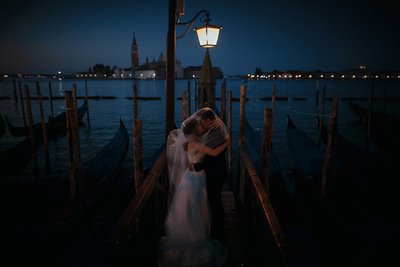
[187, 226]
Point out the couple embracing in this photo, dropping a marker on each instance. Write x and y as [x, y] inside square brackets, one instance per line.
[197, 171]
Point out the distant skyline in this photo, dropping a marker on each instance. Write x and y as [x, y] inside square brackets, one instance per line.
[70, 36]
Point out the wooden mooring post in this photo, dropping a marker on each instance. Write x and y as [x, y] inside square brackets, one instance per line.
[184, 105]
[321, 116]
[189, 111]
[51, 100]
[266, 146]
[77, 143]
[43, 124]
[22, 103]
[137, 154]
[31, 136]
[223, 101]
[15, 93]
[135, 101]
[87, 102]
[75, 170]
[242, 113]
[329, 146]
[137, 158]
[370, 108]
[273, 106]
[230, 134]
[385, 85]
[196, 95]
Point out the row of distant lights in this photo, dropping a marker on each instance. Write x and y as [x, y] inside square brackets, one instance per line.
[95, 75]
[298, 76]
[114, 75]
[249, 76]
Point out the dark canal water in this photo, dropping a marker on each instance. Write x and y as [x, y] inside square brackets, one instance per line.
[105, 114]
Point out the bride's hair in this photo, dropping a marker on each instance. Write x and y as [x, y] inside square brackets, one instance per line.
[189, 127]
[207, 113]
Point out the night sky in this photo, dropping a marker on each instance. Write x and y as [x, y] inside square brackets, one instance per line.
[41, 36]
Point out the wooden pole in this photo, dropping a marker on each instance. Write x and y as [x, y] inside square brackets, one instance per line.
[196, 95]
[87, 102]
[71, 169]
[137, 154]
[183, 105]
[32, 136]
[51, 100]
[15, 92]
[367, 121]
[135, 100]
[273, 106]
[230, 133]
[43, 124]
[81, 182]
[384, 95]
[329, 146]
[189, 112]
[266, 146]
[223, 100]
[22, 103]
[321, 116]
[242, 113]
[370, 107]
[317, 95]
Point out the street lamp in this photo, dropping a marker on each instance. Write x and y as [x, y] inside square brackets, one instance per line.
[208, 37]
[208, 34]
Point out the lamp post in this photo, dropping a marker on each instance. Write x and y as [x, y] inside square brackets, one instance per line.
[208, 37]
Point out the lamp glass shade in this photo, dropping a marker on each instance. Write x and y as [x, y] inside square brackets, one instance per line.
[208, 35]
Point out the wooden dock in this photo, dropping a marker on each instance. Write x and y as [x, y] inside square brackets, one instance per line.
[232, 231]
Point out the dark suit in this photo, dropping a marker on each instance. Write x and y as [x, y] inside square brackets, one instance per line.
[217, 173]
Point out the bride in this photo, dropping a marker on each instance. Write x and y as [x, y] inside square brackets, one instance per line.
[187, 226]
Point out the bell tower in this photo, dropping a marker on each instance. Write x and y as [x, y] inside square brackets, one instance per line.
[135, 53]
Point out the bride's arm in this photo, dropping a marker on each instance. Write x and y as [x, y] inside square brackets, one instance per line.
[215, 151]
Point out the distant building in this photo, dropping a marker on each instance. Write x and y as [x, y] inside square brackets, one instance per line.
[156, 69]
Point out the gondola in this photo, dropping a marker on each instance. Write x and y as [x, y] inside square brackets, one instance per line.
[102, 171]
[349, 179]
[338, 210]
[295, 200]
[54, 125]
[253, 141]
[355, 159]
[96, 237]
[383, 129]
[15, 159]
[281, 184]
[308, 155]
[58, 225]
[359, 167]
[2, 126]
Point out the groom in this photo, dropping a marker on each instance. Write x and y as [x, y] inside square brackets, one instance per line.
[216, 173]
